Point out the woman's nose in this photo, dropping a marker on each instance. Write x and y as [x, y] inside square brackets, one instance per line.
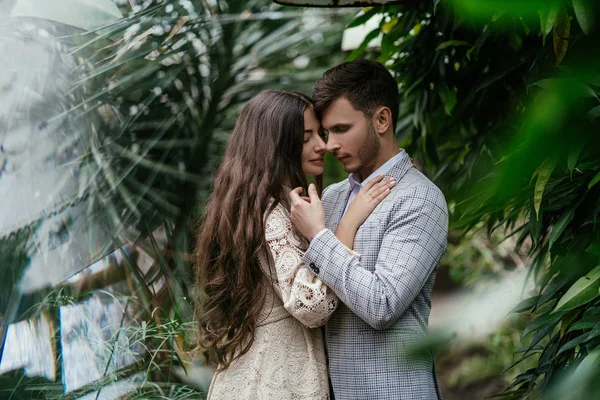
[321, 145]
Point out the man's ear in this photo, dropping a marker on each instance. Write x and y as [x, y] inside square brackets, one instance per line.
[382, 119]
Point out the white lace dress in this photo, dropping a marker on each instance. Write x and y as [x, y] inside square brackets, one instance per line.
[287, 358]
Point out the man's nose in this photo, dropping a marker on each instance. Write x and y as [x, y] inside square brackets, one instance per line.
[332, 145]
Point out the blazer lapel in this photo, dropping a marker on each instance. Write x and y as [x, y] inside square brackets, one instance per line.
[400, 168]
[397, 171]
[339, 206]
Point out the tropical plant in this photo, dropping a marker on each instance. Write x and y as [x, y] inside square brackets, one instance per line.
[115, 144]
[500, 101]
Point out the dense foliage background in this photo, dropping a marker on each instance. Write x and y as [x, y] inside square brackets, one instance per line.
[500, 102]
[110, 135]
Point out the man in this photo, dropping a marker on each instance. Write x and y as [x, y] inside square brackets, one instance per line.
[386, 293]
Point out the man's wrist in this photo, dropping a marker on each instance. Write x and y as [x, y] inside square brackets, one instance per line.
[316, 235]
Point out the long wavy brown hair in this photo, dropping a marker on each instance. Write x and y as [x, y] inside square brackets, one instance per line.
[263, 153]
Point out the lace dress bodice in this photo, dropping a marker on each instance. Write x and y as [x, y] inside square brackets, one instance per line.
[287, 358]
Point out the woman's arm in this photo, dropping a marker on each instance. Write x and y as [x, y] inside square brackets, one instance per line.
[304, 296]
[361, 207]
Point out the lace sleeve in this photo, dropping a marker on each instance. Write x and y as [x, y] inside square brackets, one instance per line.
[303, 294]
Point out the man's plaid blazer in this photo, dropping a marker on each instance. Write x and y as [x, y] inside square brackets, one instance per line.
[386, 294]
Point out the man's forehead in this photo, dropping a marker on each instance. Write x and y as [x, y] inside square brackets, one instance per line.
[339, 112]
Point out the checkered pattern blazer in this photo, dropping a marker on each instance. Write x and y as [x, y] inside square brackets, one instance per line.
[386, 294]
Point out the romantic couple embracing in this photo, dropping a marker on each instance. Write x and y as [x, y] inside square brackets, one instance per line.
[321, 296]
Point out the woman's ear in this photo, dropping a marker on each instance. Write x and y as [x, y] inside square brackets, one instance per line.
[382, 120]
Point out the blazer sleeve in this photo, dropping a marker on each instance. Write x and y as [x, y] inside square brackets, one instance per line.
[411, 247]
[303, 294]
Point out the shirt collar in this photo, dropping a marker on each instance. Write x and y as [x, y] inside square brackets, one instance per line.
[354, 178]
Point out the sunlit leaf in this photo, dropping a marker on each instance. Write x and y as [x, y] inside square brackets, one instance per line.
[583, 290]
[547, 21]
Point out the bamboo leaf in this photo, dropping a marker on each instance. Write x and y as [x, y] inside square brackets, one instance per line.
[582, 291]
[452, 43]
[535, 225]
[594, 180]
[543, 174]
[525, 305]
[595, 332]
[362, 18]
[573, 343]
[541, 322]
[573, 157]
[560, 226]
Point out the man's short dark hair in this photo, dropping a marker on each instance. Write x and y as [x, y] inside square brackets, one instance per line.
[365, 84]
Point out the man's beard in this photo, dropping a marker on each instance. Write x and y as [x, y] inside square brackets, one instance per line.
[369, 149]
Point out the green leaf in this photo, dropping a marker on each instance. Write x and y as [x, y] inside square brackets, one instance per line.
[546, 330]
[543, 174]
[356, 53]
[590, 362]
[497, 76]
[548, 83]
[573, 343]
[535, 225]
[362, 18]
[573, 157]
[594, 249]
[388, 26]
[560, 226]
[594, 113]
[583, 290]
[542, 321]
[469, 53]
[595, 332]
[547, 20]
[525, 305]
[561, 36]
[452, 43]
[594, 180]
[448, 97]
[579, 325]
[585, 14]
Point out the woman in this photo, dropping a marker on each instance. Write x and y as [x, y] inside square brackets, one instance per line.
[260, 304]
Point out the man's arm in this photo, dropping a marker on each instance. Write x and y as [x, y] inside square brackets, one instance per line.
[410, 249]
